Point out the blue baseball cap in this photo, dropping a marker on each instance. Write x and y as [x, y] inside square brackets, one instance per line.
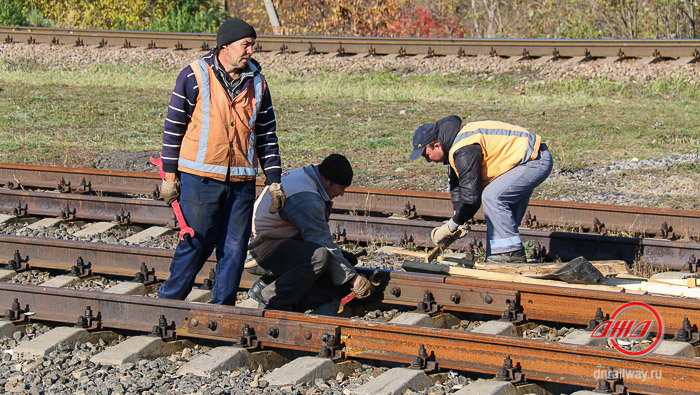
[424, 135]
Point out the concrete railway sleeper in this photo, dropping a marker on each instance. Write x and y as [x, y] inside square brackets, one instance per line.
[331, 344]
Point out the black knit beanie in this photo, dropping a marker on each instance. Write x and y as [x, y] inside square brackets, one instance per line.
[336, 168]
[233, 30]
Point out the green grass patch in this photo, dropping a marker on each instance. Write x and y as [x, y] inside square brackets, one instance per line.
[69, 116]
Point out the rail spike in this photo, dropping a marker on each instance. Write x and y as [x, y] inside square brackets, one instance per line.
[164, 330]
[16, 314]
[145, 276]
[510, 372]
[423, 361]
[88, 321]
[331, 348]
[18, 264]
[248, 338]
[515, 313]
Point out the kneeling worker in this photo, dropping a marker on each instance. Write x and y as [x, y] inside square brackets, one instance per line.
[294, 246]
[490, 162]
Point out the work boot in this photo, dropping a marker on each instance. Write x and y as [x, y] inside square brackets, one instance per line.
[255, 292]
[508, 257]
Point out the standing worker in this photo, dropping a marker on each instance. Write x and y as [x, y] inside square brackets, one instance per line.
[493, 163]
[294, 247]
[220, 123]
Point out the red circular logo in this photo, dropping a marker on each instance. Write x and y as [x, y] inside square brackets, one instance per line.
[614, 329]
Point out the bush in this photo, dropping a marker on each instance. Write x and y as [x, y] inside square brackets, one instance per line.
[191, 16]
[13, 12]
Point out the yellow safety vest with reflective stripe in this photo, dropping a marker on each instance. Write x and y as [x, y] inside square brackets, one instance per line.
[220, 138]
[503, 146]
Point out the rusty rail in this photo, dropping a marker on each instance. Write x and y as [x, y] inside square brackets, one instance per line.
[575, 306]
[336, 337]
[593, 218]
[428, 47]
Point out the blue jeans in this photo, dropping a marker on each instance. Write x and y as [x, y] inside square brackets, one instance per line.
[220, 213]
[505, 202]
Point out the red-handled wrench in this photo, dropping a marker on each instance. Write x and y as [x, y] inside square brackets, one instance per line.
[184, 229]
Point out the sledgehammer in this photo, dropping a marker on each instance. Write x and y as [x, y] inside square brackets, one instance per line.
[184, 229]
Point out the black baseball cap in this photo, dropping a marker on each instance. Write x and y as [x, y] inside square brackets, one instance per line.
[426, 134]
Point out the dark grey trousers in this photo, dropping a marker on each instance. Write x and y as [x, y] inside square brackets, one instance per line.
[291, 270]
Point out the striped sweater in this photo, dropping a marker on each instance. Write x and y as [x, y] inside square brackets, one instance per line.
[182, 104]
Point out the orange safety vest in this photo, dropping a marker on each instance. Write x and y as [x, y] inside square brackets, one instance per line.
[220, 138]
[503, 146]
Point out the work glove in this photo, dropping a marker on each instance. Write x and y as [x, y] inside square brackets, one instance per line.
[362, 287]
[349, 256]
[441, 233]
[170, 191]
[277, 197]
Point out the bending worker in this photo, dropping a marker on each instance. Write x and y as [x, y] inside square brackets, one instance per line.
[294, 246]
[220, 123]
[490, 162]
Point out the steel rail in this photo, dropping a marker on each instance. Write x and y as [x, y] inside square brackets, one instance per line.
[540, 302]
[562, 245]
[451, 349]
[521, 48]
[588, 217]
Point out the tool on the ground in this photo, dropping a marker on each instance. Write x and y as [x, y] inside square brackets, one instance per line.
[184, 229]
[577, 271]
[461, 231]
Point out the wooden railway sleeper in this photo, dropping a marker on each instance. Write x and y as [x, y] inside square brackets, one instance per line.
[80, 269]
[510, 372]
[89, 321]
[613, 383]
[164, 330]
[688, 333]
[424, 362]
[18, 264]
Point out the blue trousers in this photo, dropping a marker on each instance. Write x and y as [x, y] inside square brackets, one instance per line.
[505, 202]
[220, 213]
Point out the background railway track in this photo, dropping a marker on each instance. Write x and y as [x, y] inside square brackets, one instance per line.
[682, 51]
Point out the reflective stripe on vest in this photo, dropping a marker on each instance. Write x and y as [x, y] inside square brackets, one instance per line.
[205, 93]
[496, 137]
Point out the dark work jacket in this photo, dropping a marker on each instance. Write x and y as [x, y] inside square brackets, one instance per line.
[465, 190]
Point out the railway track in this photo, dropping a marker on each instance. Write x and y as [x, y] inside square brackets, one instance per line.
[683, 51]
[341, 338]
[98, 195]
[103, 195]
